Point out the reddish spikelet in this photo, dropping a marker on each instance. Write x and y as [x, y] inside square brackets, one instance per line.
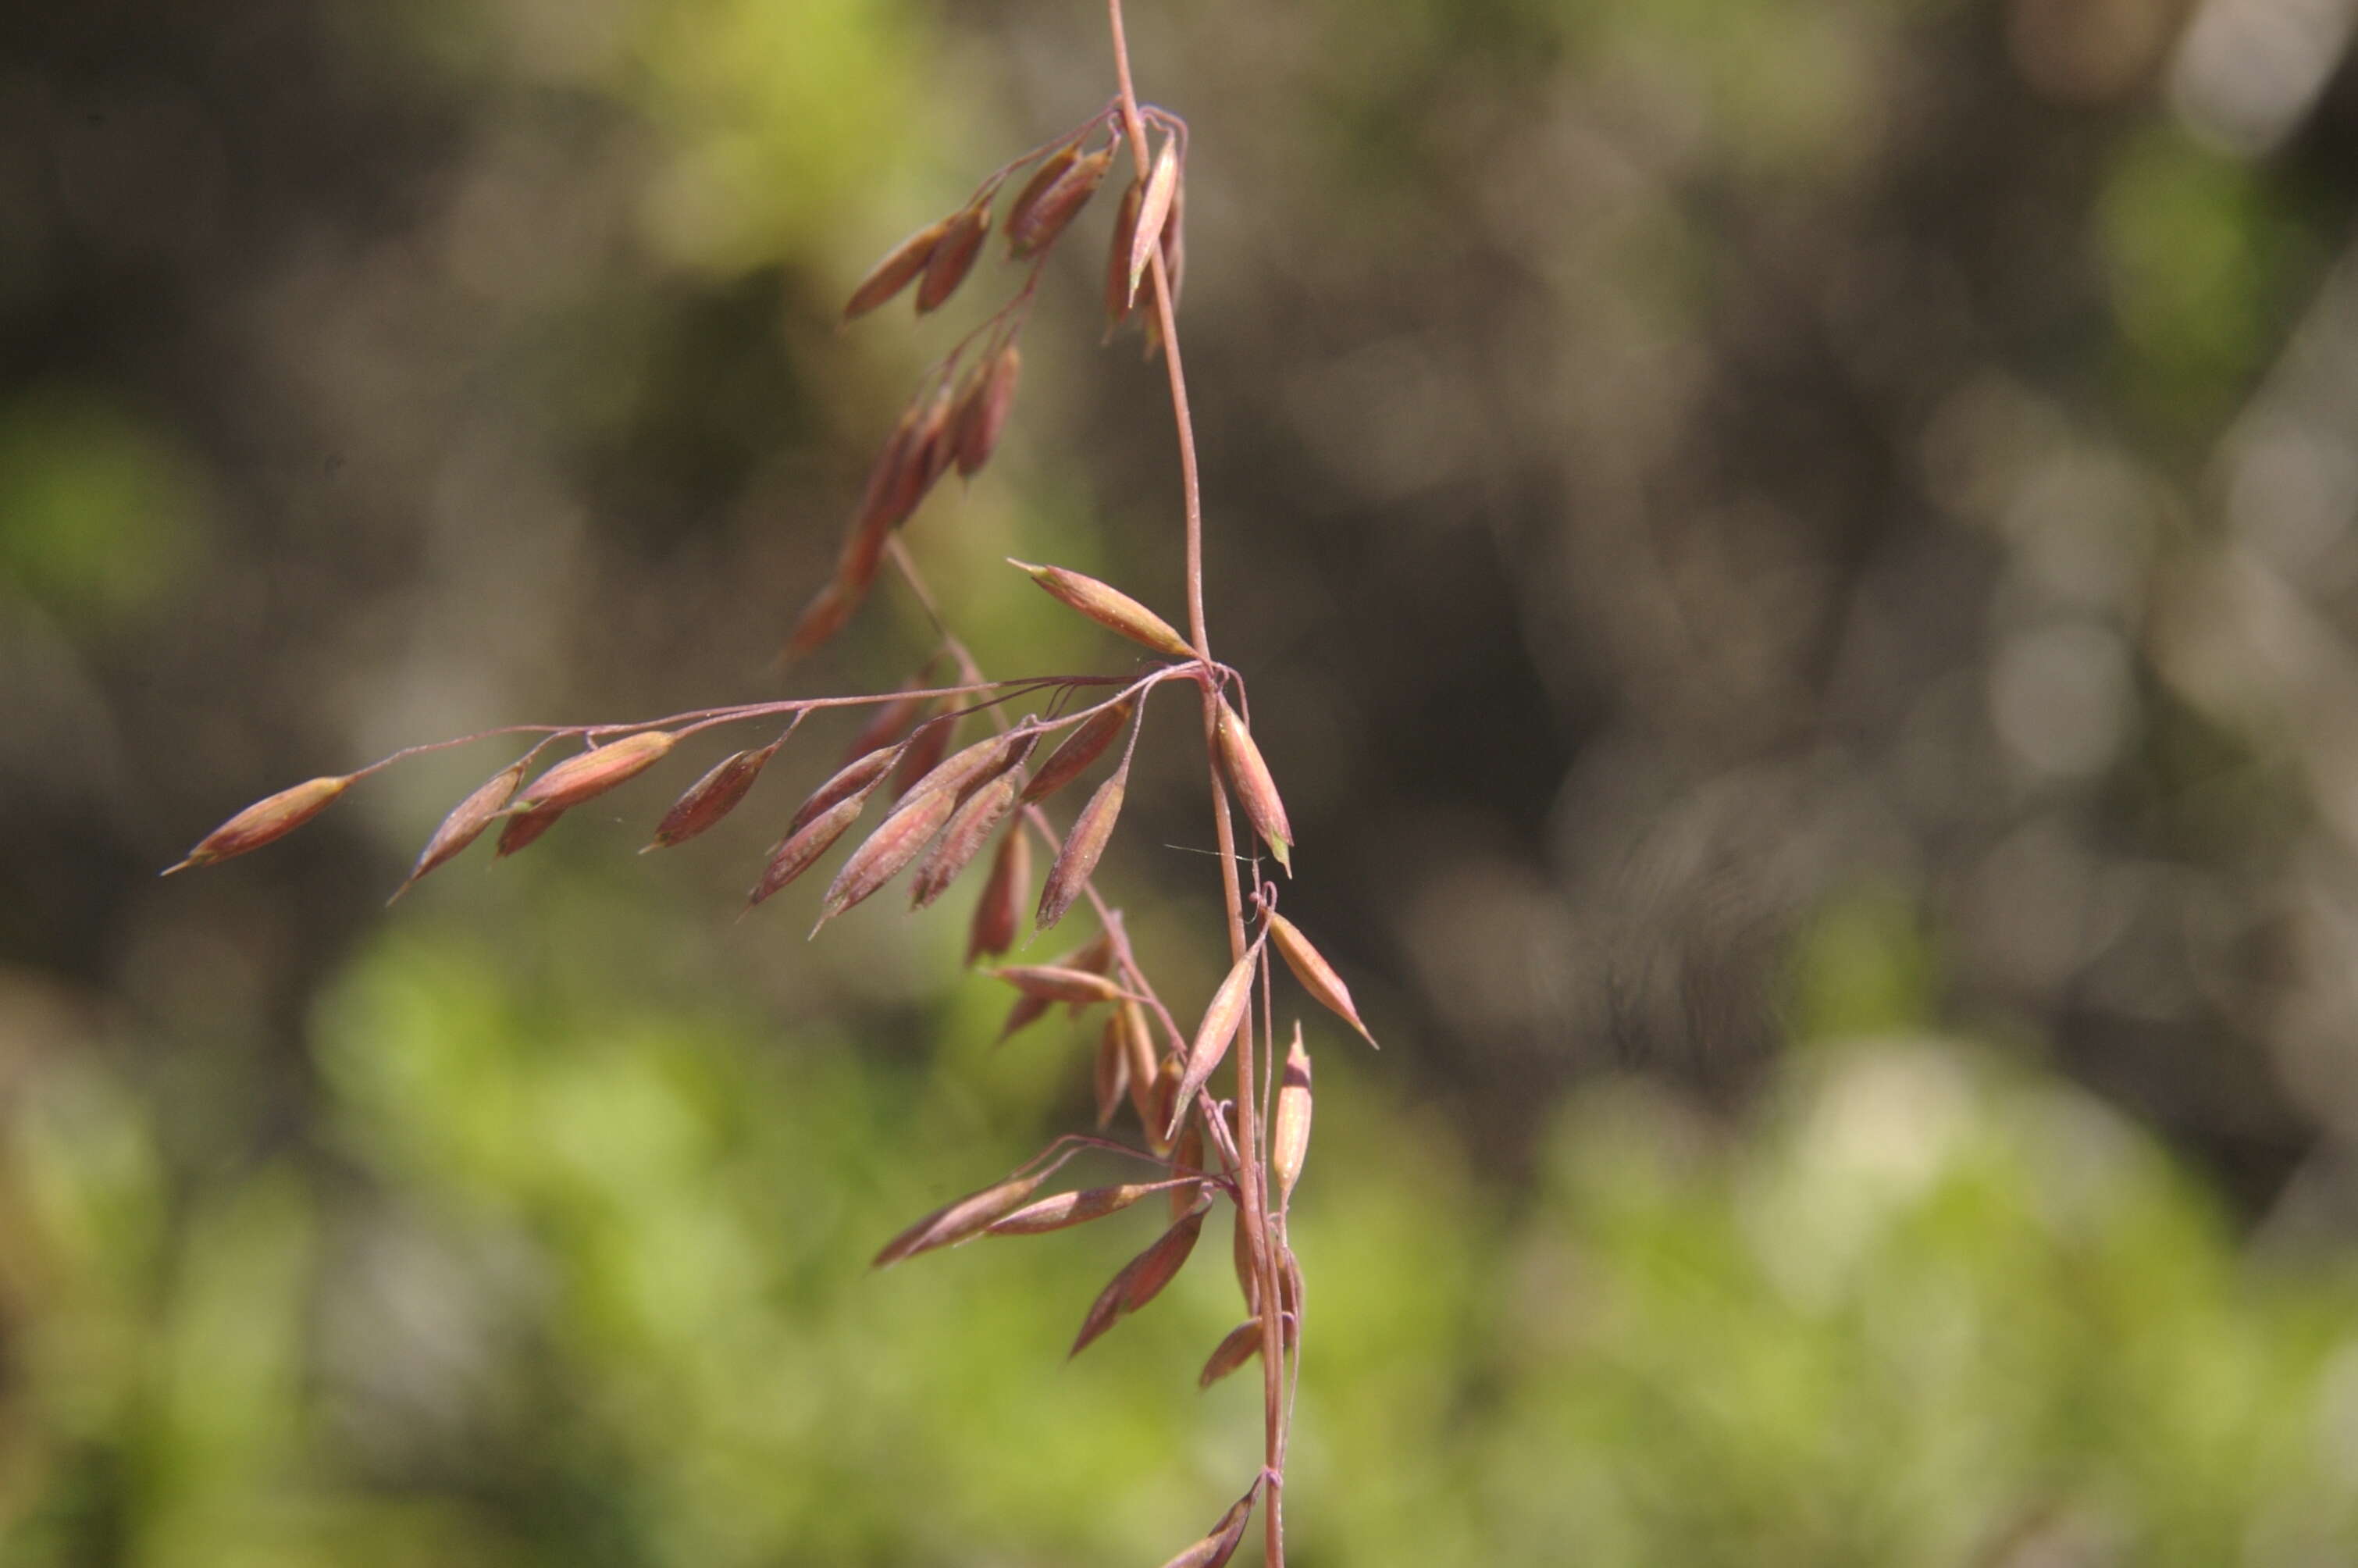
[524, 827]
[969, 828]
[856, 777]
[1218, 1030]
[1242, 1345]
[1154, 208]
[953, 256]
[885, 502]
[999, 914]
[1215, 1550]
[983, 415]
[1027, 1011]
[895, 843]
[964, 772]
[1141, 1279]
[801, 849]
[265, 822]
[1052, 983]
[822, 618]
[1094, 957]
[592, 773]
[1077, 861]
[1316, 975]
[1109, 607]
[1119, 304]
[1085, 745]
[1138, 1044]
[1187, 1154]
[923, 752]
[960, 1221]
[1051, 168]
[1046, 217]
[1256, 790]
[711, 797]
[467, 821]
[1111, 1072]
[902, 262]
[1289, 1124]
[1070, 1209]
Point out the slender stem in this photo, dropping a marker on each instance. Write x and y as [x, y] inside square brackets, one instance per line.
[1252, 1209]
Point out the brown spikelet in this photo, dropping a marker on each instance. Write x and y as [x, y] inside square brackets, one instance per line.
[467, 821]
[999, 914]
[960, 1221]
[1027, 1011]
[1046, 217]
[927, 745]
[1241, 1346]
[1138, 1044]
[801, 849]
[964, 772]
[1218, 1030]
[1187, 1153]
[1085, 745]
[1119, 304]
[592, 773]
[712, 797]
[983, 414]
[1083, 845]
[1215, 1550]
[969, 829]
[1094, 957]
[856, 777]
[1256, 790]
[1071, 1208]
[1316, 975]
[1053, 983]
[880, 858]
[1109, 607]
[265, 822]
[1110, 1076]
[953, 257]
[1051, 168]
[822, 618]
[902, 262]
[524, 828]
[1289, 1124]
[1154, 207]
[1141, 1279]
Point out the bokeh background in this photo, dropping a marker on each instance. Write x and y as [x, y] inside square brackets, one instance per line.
[1798, 561]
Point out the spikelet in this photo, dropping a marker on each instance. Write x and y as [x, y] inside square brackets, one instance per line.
[1110, 1076]
[857, 777]
[1046, 219]
[828, 612]
[1085, 745]
[953, 256]
[960, 1221]
[1145, 1067]
[1316, 975]
[1215, 1550]
[1289, 1124]
[713, 796]
[1218, 1032]
[467, 821]
[969, 829]
[265, 821]
[1241, 1346]
[800, 848]
[1256, 790]
[1119, 302]
[999, 914]
[1187, 1153]
[1071, 1208]
[1154, 208]
[1108, 607]
[1055, 983]
[1141, 1279]
[1083, 845]
[983, 413]
[885, 852]
[1051, 168]
[901, 264]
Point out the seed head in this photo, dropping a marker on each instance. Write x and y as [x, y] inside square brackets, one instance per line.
[1288, 1125]
[999, 914]
[1241, 1344]
[1316, 975]
[1085, 745]
[1044, 220]
[265, 821]
[1077, 861]
[1055, 983]
[960, 1221]
[1218, 1031]
[1109, 607]
[1162, 185]
[969, 828]
[901, 264]
[467, 821]
[1256, 790]
[711, 797]
[953, 256]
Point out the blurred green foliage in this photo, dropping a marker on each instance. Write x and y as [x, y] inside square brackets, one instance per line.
[600, 1298]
